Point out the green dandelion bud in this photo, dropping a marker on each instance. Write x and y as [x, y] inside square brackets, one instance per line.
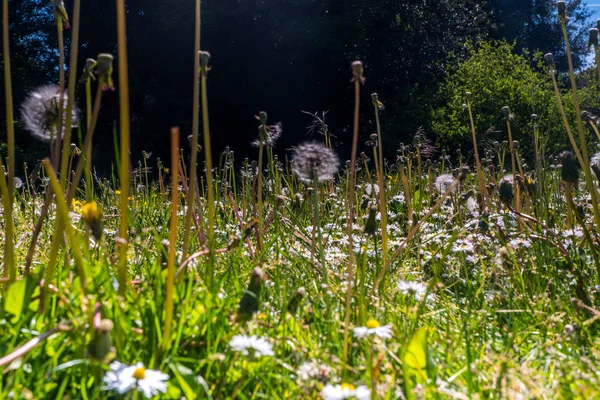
[101, 345]
[561, 8]
[506, 190]
[104, 70]
[295, 301]
[88, 71]
[570, 168]
[506, 112]
[371, 224]
[357, 71]
[60, 13]
[249, 304]
[549, 58]
[204, 61]
[593, 38]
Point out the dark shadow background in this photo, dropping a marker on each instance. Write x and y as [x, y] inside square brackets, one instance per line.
[280, 56]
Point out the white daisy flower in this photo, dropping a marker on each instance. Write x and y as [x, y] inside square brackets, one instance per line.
[411, 287]
[345, 391]
[123, 378]
[373, 328]
[313, 370]
[251, 345]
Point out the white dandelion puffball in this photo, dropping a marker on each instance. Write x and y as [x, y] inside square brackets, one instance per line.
[443, 183]
[314, 160]
[40, 112]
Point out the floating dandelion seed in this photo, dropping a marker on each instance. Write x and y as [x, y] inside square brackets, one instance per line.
[314, 160]
[345, 391]
[124, 378]
[273, 133]
[40, 112]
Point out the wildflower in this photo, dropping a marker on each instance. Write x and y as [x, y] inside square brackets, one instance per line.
[373, 328]
[411, 287]
[313, 160]
[252, 346]
[519, 242]
[124, 378]
[313, 370]
[345, 391]
[92, 215]
[372, 187]
[443, 183]
[40, 112]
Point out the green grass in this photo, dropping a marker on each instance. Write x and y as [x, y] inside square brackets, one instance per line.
[497, 321]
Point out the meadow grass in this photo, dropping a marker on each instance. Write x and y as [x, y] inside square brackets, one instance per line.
[289, 280]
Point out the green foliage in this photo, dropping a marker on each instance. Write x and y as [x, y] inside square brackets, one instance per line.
[496, 77]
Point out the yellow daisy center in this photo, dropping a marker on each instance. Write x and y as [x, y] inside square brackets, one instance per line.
[372, 324]
[139, 373]
[347, 386]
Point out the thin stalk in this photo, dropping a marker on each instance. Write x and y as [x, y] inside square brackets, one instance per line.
[381, 181]
[357, 68]
[259, 192]
[63, 216]
[209, 180]
[191, 200]
[9, 246]
[124, 134]
[582, 139]
[595, 128]
[513, 161]
[71, 95]
[318, 226]
[61, 93]
[480, 178]
[172, 242]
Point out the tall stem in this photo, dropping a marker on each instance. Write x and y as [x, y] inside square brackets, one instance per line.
[381, 181]
[191, 201]
[357, 69]
[9, 250]
[477, 162]
[582, 140]
[124, 144]
[318, 225]
[209, 181]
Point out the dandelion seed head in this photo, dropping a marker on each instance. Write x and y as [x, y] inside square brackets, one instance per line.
[310, 160]
[40, 112]
[443, 183]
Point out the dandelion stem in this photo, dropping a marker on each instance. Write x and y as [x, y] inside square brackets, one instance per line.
[480, 178]
[318, 226]
[9, 249]
[585, 160]
[191, 200]
[172, 241]
[124, 135]
[357, 68]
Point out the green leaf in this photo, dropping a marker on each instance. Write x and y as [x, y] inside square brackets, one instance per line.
[15, 298]
[416, 353]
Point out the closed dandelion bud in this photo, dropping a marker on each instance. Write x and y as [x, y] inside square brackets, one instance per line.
[74, 150]
[593, 39]
[570, 169]
[101, 345]
[104, 70]
[164, 253]
[88, 71]
[595, 165]
[506, 112]
[204, 61]
[587, 116]
[598, 23]
[371, 224]
[549, 58]
[506, 190]
[515, 145]
[249, 304]
[561, 8]
[357, 71]
[377, 102]
[534, 117]
[92, 215]
[365, 201]
[462, 173]
[468, 95]
[373, 137]
[191, 142]
[295, 301]
[60, 13]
